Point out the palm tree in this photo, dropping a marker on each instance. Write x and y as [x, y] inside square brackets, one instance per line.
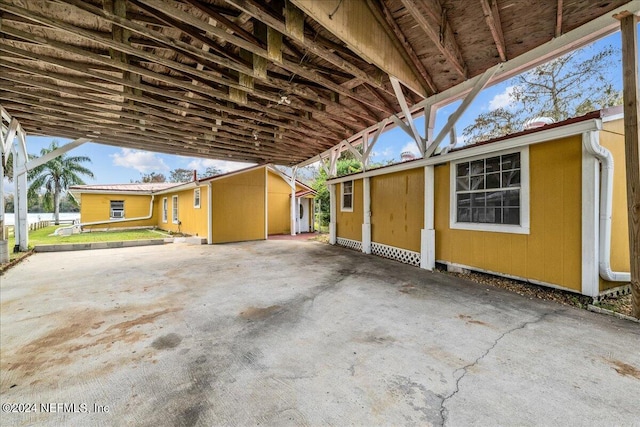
[56, 176]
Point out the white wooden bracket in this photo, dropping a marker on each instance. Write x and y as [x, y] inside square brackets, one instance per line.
[453, 118]
[410, 127]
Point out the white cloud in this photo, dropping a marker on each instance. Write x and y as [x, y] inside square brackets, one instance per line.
[502, 100]
[411, 147]
[223, 165]
[142, 161]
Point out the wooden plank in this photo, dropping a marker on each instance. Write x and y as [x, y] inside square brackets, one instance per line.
[631, 110]
[294, 21]
[431, 17]
[400, 40]
[356, 25]
[492, 16]
[559, 18]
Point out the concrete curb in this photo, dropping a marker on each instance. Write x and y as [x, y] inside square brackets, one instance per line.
[97, 245]
[601, 310]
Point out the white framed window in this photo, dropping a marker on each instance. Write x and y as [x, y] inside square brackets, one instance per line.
[346, 196]
[196, 198]
[165, 209]
[116, 209]
[491, 192]
[174, 209]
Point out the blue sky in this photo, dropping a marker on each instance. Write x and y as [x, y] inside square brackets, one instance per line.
[121, 165]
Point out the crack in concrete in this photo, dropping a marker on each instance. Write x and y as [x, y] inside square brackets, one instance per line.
[443, 410]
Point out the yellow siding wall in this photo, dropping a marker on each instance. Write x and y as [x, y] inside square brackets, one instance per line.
[278, 205]
[238, 203]
[397, 209]
[96, 207]
[349, 224]
[552, 251]
[612, 138]
[193, 221]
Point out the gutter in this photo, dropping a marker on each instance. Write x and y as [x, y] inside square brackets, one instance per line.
[605, 158]
[112, 221]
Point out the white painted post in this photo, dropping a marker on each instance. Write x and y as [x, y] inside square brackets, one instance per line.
[209, 214]
[332, 214]
[294, 201]
[21, 227]
[366, 224]
[428, 233]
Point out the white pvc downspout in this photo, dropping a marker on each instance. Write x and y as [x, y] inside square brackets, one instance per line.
[112, 221]
[605, 158]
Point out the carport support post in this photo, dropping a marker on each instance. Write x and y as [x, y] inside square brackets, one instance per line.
[21, 227]
[294, 201]
[428, 233]
[332, 214]
[366, 224]
[631, 110]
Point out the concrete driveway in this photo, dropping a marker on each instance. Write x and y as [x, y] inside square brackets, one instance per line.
[297, 333]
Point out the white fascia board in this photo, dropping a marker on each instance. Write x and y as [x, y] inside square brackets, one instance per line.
[574, 39]
[515, 142]
[123, 192]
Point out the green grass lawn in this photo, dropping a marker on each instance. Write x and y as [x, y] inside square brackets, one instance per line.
[44, 237]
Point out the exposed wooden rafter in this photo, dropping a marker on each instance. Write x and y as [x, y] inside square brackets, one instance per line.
[432, 18]
[558, 32]
[492, 16]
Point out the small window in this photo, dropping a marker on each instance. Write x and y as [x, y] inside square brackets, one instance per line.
[347, 196]
[196, 198]
[117, 209]
[174, 206]
[165, 209]
[491, 193]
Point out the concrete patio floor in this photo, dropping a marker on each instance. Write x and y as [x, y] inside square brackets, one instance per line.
[297, 333]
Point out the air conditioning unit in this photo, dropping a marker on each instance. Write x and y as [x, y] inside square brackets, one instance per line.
[117, 214]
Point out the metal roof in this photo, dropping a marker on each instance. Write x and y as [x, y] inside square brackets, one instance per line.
[257, 81]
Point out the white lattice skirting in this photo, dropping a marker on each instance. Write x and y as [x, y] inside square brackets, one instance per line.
[398, 254]
[348, 243]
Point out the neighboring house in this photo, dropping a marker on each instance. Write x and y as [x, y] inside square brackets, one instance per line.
[248, 204]
[529, 206]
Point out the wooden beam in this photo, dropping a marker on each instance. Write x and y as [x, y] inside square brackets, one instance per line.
[432, 18]
[292, 29]
[169, 9]
[492, 16]
[559, 18]
[207, 91]
[398, 38]
[229, 139]
[356, 25]
[628, 29]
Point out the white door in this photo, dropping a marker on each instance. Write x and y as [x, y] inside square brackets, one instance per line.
[303, 215]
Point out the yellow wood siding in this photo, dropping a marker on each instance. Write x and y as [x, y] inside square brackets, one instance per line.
[612, 138]
[193, 221]
[552, 251]
[349, 224]
[238, 203]
[397, 209]
[279, 204]
[97, 207]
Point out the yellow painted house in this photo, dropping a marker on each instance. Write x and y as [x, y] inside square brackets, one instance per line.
[249, 204]
[546, 205]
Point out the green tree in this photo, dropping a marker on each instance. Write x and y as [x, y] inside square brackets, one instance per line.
[568, 86]
[346, 165]
[151, 177]
[211, 171]
[180, 175]
[56, 176]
